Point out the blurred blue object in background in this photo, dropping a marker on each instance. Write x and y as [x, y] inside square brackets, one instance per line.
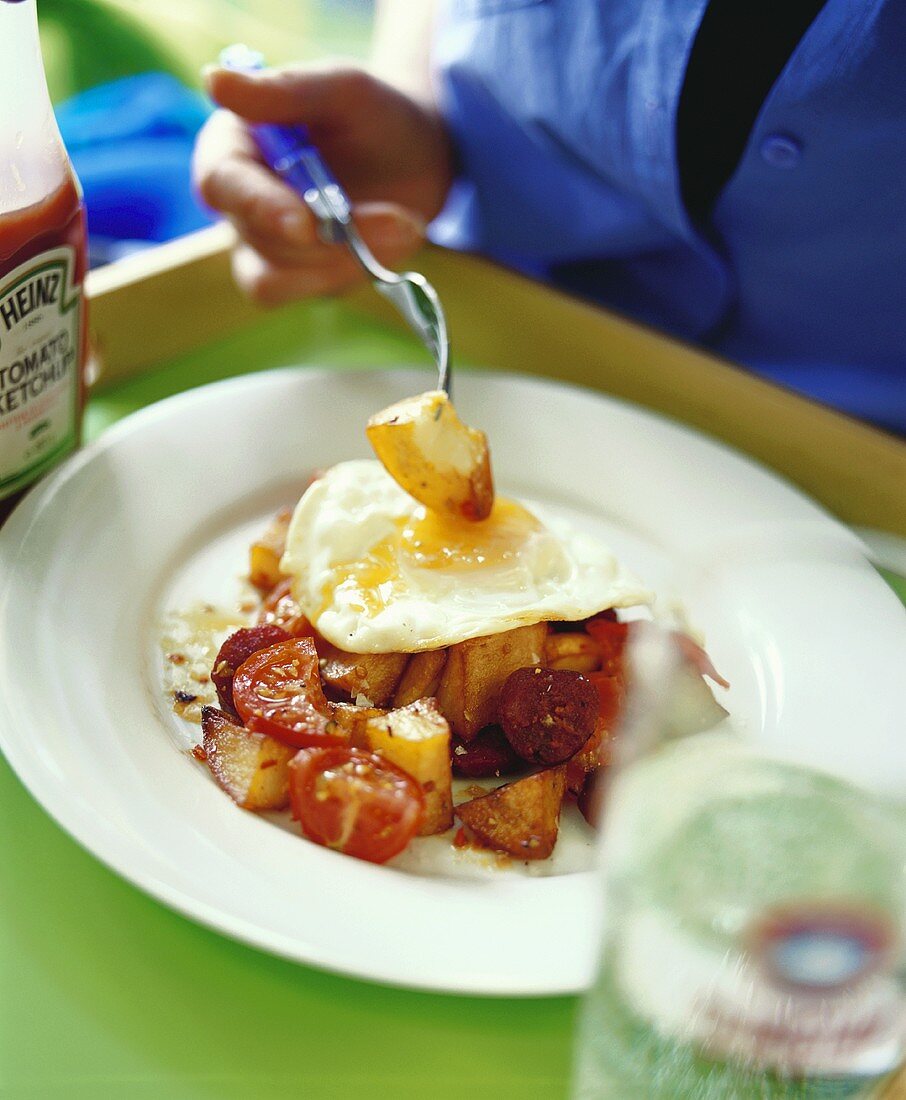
[131, 143]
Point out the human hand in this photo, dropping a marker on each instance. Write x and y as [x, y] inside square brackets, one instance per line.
[390, 153]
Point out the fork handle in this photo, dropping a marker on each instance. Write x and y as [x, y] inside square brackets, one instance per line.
[289, 152]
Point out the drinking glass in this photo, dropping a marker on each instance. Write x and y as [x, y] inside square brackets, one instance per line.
[753, 939]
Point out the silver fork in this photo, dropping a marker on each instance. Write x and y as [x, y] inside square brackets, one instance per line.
[289, 152]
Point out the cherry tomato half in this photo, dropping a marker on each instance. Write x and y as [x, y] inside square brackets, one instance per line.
[355, 802]
[235, 651]
[278, 691]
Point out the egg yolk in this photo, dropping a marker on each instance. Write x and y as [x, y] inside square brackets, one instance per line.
[429, 540]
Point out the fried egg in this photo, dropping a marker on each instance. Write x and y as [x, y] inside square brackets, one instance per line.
[377, 572]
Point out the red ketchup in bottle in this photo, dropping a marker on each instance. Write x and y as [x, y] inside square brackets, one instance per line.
[43, 259]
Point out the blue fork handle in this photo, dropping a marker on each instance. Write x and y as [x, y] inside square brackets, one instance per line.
[288, 151]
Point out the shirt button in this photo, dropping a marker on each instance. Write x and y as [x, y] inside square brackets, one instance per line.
[781, 151]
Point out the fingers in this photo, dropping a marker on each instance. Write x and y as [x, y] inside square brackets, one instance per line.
[313, 95]
[281, 256]
[267, 213]
[231, 179]
[323, 269]
[271, 285]
[390, 231]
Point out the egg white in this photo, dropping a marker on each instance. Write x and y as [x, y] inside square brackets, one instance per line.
[558, 573]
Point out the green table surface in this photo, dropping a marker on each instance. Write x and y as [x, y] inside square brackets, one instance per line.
[106, 993]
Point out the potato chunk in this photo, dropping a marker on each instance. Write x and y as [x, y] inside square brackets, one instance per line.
[573, 650]
[476, 670]
[521, 818]
[437, 459]
[417, 739]
[350, 721]
[252, 768]
[421, 678]
[265, 553]
[374, 675]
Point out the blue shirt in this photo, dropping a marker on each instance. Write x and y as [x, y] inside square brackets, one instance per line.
[564, 114]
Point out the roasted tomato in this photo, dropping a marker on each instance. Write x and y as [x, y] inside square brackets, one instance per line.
[279, 608]
[611, 691]
[355, 802]
[277, 691]
[235, 651]
[611, 637]
[594, 753]
[610, 680]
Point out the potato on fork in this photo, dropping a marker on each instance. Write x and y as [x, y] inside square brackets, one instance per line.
[434, 456]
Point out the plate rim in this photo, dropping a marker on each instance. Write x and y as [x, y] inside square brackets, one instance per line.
[114, 854]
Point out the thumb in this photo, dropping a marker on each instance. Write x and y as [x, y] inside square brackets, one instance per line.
[306, 94]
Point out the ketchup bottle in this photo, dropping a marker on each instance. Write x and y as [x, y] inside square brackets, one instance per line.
[43, 332]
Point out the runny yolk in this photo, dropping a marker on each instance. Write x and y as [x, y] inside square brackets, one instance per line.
[428, 540]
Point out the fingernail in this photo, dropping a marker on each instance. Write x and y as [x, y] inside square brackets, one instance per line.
[294, 225]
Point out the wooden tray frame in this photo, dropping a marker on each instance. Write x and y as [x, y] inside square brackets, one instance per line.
[158, 304]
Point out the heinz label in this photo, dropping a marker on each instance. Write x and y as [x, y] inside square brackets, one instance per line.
[39, 366]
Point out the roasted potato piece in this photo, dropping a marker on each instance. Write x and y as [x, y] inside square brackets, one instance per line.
[574, 651]
[421, 677]
[252, 768]
[265, 553]
[352, 722]
[430, 453]
[417, 739]
[547, 714]
[476, 670]
[520, 818]
[374, 675]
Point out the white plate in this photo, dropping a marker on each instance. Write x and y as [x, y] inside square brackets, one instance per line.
[811, 639]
